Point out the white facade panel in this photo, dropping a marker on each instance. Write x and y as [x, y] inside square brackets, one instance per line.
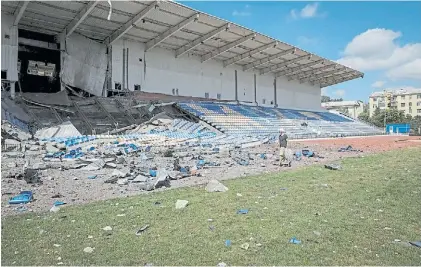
[9, 47]
[159, 71]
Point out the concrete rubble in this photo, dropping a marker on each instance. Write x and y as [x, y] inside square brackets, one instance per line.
[157, 155]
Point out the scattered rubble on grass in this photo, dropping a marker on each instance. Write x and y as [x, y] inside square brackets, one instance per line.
[153, 156]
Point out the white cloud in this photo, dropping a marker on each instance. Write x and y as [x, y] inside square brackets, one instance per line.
[309, 11]
[303, 40]
[242, 13]
[378, 49]
[339, 93]
[378, 84]
[410, 70]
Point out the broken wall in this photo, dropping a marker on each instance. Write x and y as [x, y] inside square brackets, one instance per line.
[9, 47]
[85, 64]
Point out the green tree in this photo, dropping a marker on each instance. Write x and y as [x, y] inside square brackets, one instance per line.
[325, 98]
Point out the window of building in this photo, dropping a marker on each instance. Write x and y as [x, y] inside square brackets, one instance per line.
[418, 96]
[410, 110]
[418, 110]
[402, 105]
[374, 106]
[137, 87]
[206, 95]
[418, 103]
[4, 74]
[218, 96]
[374, 99]
[176, 91]
[117, 86]
[173, 91]
[410, 97]
[402, 97]
[410, 104]
[263, 101]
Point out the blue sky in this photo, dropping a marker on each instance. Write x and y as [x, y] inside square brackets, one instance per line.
[381, 39]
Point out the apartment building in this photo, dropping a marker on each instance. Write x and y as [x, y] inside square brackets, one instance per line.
[408, 100]
[353, 108]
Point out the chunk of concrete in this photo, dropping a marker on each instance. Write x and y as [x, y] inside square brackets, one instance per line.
[146, 186]
[111, 165]
[216, 186]
[140, 179]
[119, 174]
[122, 181]
[51, 149]
[181, 204]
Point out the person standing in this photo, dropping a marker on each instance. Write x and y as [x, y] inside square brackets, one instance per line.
[283, 142]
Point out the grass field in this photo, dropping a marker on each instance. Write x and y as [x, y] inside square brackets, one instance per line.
[346, 217]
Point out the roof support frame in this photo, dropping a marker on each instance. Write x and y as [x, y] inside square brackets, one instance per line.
[308, 73]
[80, 17]
[299, 68]
[330, 82]
[248, 54]
[19, 13]
[285, 63]
[269, 58]
[117, 34]
[227, 47]
[319, 76]
[200, 40]
[155, 41]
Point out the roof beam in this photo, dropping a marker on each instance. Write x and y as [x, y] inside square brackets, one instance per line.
[308, 73]
[336, 78]
[343, 79]
[268, 59]
[227, 47]
[285, 63]
[298, 68]
[249, 54]
[320, 76]
[80, 17]
[160, 38]
[187, 47]
[117, 34]
[19, 13]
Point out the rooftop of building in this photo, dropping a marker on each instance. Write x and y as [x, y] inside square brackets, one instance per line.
[401, 91]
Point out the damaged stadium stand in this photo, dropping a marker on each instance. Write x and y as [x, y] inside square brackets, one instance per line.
[264, 121]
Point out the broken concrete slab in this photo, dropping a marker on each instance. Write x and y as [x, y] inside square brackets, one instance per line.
[122, 181]
[119, 174]
[140, 179]
[181, 204]
[216, 186]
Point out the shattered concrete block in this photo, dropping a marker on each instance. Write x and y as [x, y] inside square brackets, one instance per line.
[146, 186]
[162, 178]
[122, 181]
[111, 165]
[181, 204]
[33, 148]
[140, 179]
[119, 174]
[215, 186]
[120, 160]
[51, 149]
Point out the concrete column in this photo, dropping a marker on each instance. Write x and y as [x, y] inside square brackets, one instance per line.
[123, 84]
[236, 85]
[274, 93]
[255, 90]
[108, 83]
[12, 90]
[62, 40]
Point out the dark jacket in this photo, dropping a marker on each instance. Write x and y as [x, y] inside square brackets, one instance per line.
[283, 140]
